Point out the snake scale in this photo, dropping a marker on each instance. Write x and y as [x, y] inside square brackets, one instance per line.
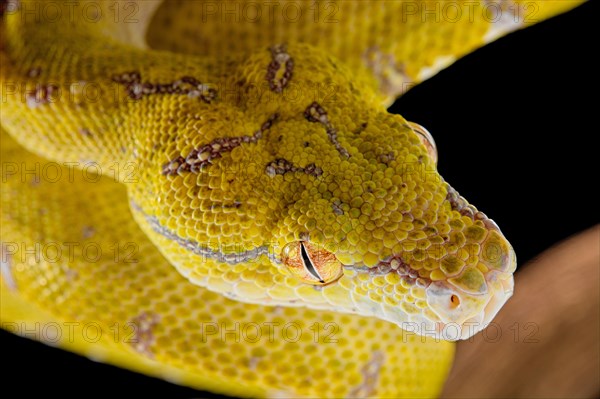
[214, 193]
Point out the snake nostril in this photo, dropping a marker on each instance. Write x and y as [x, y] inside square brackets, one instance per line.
[454, 301]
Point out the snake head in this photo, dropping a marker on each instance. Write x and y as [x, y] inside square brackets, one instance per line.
[330, 204]
[356, 222]
[404, 246]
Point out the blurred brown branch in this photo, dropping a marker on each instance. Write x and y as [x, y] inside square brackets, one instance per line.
[545, 342]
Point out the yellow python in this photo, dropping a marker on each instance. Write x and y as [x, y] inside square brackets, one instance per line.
[316, 250]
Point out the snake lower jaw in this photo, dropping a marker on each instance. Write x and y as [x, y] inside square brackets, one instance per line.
[474, 313]
[499, 299]
[484, 319]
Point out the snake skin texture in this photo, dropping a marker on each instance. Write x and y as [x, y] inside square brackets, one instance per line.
[221, 199]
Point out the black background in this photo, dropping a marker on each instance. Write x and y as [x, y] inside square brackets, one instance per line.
[513, 125]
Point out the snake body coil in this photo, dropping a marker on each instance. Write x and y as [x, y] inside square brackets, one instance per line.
[316, 249]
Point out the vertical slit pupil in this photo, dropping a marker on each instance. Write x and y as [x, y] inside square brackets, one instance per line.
[308, 263]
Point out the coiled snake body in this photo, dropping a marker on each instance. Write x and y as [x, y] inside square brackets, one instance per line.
[316, 250]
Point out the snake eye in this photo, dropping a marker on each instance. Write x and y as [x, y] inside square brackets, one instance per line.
[311, 264]
[426, 139]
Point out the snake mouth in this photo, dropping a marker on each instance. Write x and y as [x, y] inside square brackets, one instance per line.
[498, 300]
[482, 321]
[451, 309]
[476, 313]
[466, 314]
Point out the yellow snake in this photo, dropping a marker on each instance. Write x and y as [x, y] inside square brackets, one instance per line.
[214, 193]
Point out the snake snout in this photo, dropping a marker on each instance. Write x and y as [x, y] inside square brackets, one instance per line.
[466, 303]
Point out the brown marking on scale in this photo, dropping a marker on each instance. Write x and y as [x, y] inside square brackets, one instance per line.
[71, 275]
[282, 166]
[361, 128]
[315, 113]
[88, 232]
[41, 95]
[459, 204]
[277, 310]
[279, 58]
[200, 158]
[387, 158]
[85, 132]
[370, 372]
[304, 236]
[337, 207]
[186, 85]
[396, 264]
[234, 205]
[35, 181]
[204, 250]
[143, 337]
[34, 72]
[253, 362]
